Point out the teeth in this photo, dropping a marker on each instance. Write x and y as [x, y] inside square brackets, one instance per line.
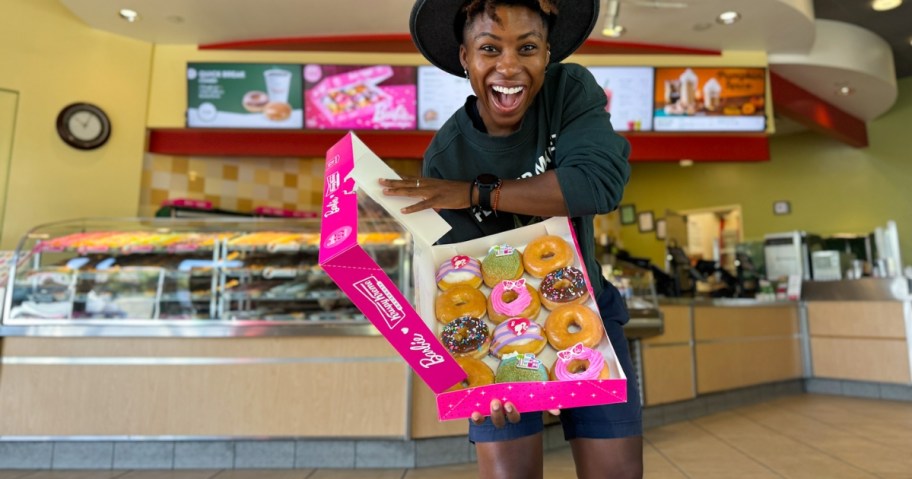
[507, 91]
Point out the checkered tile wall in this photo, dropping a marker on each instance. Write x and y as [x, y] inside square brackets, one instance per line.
[240, 184]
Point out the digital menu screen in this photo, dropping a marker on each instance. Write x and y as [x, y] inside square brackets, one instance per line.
[344, 97]
[629, 91]
[710, 99]
[439, 96]
[244, 95]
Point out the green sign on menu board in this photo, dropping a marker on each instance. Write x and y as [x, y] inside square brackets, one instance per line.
[244, 95]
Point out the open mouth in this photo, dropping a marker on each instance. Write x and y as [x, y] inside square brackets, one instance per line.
[507, 99]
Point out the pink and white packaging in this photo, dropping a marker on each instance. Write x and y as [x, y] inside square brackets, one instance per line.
[350, 164]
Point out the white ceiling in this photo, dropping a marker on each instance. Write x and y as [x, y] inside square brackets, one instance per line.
[785, 27]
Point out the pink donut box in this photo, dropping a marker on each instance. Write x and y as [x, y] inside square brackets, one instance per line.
[412, 331]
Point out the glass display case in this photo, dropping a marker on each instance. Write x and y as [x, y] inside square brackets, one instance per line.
[637, 287]
[186, 277]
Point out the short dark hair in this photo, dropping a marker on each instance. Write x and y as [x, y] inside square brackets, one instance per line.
[473, 8]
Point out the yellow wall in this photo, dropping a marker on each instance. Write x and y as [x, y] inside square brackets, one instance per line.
[832, 188]
[52, 59]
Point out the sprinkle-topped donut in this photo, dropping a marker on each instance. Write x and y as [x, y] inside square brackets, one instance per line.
[580, 363]
[502, 262]
[563, 286]
[466, 336]
[459, 270]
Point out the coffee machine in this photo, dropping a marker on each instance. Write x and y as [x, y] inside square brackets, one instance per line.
[789, 253]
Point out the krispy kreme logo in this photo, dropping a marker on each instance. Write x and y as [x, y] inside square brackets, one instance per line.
[378, 294]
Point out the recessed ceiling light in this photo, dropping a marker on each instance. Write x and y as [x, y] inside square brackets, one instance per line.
[129, 15]
[614, 32]
[727, 18]
[845, 90]
[686, 163]
[884, 5]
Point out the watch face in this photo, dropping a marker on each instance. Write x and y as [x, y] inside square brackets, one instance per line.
[486, 179]
[83, 126]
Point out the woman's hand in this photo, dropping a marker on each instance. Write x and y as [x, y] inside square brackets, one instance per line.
[501, 413]
[433, 193]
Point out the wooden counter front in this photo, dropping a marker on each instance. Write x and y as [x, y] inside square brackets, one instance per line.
[226, 387]
[860, 340]
[742, 346]
[668, 363]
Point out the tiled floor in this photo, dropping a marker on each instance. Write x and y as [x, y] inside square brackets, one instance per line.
[806, 436]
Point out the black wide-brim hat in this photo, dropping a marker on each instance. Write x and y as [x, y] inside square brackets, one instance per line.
[432, 27]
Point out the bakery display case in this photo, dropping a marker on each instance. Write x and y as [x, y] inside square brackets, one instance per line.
[187, 277]
[637, 286]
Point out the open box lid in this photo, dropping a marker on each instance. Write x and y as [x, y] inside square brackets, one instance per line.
[350, 166]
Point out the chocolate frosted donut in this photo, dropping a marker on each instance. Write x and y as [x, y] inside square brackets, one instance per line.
[563, 286]
[466, 336]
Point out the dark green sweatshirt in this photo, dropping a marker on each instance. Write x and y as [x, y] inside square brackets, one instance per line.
[567, 130]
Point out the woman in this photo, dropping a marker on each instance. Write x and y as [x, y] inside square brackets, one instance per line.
[535, 141]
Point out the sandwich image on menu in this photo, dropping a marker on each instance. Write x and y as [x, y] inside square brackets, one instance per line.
[379, 97]
[224, 95]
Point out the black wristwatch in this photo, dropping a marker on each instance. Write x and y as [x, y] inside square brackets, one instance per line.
[486, 183]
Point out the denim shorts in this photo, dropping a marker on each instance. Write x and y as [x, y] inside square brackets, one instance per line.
[609, 421]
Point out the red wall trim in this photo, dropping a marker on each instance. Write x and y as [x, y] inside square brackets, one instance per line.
[802, 106]
[645, 147]
[402, 43]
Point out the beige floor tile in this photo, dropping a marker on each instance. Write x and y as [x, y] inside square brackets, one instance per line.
[656, 466]
[13, 474]
[358, 474]
[182, 474]
[264, 474]
[463, 471]
[699, 454]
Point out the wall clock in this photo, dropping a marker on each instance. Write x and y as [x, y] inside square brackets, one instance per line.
[83, 126]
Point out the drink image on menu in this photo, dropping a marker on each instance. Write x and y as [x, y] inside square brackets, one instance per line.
[237, 95]
[710, 99]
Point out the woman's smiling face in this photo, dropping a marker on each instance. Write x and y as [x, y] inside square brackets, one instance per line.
[506, 61]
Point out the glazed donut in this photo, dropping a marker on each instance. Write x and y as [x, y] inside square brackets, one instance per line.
[254, 101]
[518, 368]
[518, 335]
[459, 270]
[546, 254]
[466, 336]
[502, 262]
[277, 111]
[564, 286]
[511, 299]
[479, 374]
[459, 301]
[571, 324]
[579, 363]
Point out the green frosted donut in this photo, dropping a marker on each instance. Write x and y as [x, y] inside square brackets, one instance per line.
[502, 262]
[513, 368]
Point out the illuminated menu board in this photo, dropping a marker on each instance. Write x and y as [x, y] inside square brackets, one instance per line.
[710, 99]
[439, 96]
[629, 91]
[343, 97]
[243, 95]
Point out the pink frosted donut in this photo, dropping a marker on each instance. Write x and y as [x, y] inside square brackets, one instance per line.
[517, 335]
[579, 363]
[510, 299]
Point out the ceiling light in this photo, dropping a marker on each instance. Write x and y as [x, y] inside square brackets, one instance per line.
[686, 163]
[727, 18]
[613, 31]
[129, 15]
[884, 5]
[845, 90]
